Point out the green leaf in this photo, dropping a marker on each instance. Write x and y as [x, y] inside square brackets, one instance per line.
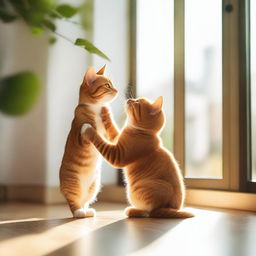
[66, 10]
[42, 5]
[19, 93]
[50, 25]
[90, 47]
[6, 17]
[52, 40]
[36, 30]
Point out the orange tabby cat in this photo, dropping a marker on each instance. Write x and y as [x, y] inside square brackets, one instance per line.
[154, 183]
[80, 168]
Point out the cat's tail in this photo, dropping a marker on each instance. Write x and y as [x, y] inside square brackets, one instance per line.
[170, 213]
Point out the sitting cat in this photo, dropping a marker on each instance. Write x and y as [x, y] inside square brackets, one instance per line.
[80, 168]
[155, 185]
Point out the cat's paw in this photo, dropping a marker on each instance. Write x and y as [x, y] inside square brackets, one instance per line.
[104, 111]
[82, 213]
[85, 127]
[105, 114]
[79, 213]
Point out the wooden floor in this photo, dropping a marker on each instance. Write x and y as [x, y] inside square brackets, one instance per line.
[30, 229]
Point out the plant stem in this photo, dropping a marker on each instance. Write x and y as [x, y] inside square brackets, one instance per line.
[73, 22]
[63, 36]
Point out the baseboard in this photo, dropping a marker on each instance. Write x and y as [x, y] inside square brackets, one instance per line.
[112, 193]
[117, 194]
[33, 193]
[2, 193]
[52, 195]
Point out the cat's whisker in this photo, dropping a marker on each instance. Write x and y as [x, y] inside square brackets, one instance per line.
[129, 92]
[132, 93]
[133, 96]
[129, 95]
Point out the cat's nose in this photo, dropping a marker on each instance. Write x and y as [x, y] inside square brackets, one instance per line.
[129, 101]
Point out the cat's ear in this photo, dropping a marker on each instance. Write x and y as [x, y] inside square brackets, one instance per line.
[90, 76]
[157, 106]
[102, 70]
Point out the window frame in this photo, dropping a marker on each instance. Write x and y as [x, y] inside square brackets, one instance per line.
[246, 185]
[131, 88]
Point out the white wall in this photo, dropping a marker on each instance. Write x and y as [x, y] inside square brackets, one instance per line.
[111, 36]
[22, 148]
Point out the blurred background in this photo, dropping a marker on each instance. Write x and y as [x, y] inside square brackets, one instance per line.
[41, 70]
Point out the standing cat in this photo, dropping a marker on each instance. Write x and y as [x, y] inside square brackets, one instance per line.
[80, 168]
[155, 186]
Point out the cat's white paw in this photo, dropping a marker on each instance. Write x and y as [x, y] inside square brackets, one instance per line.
[82, 213]
[85, 127]
[79, 213]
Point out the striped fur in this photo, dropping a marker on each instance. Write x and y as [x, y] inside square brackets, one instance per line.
[80, 167]
[155, 185]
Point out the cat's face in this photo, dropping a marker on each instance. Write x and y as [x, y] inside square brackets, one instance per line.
[142, 114]
[96, 88]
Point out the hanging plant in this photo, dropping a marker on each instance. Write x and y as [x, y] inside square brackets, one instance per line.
[19, 92]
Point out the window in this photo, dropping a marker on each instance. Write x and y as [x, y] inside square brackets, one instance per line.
[203, 89]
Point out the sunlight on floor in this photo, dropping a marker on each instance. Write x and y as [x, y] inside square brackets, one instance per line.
[52, 232]
[58, 232]
[21, 220]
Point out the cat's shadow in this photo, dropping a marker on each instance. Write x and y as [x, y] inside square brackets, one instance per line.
[120, 238]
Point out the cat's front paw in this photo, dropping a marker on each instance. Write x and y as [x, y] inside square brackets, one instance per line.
[104, 111]
[85, 127]
[105, 114]
[87, 132]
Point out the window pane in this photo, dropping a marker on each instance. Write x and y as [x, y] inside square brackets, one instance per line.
[155, 57]
[203, 87]
[253, 86]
